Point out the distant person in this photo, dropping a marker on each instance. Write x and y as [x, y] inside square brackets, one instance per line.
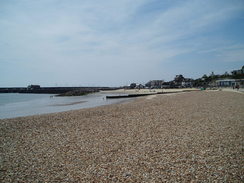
[237, 87]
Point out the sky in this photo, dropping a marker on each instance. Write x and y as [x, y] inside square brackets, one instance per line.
[117, 42]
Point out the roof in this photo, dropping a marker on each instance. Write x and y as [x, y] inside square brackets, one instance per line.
[226, 80]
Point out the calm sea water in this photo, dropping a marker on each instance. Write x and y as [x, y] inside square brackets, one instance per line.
[16, 105]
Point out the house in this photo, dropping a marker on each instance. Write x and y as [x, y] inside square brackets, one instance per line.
[226, 82]
[167, 85]
[181, 82]
[238, 72]
[187, 83]
[132, 85]
[136, 86]
[154, 84]
[139, 86]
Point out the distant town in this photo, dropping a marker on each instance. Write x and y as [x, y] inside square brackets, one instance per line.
[233, 79]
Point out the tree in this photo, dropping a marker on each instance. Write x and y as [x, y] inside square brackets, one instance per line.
[179, 78]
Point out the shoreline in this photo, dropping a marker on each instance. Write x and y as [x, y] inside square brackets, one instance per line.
[84, 103]
[22, 105]
[192, 136]
[143, 97]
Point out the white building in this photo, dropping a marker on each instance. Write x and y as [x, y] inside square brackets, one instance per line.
[229, 82]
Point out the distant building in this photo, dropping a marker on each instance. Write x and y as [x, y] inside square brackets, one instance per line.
[178, 80]
[139, 86]
[187, 83]
[225, 82]
[132, 85]
[238, 72]
[33, 87]
[136, 86]
[166, 85]
[229, 82]
[126, 87]
[181, 82]
[154, 84]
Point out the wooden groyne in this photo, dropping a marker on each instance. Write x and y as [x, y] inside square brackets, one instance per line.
[128, 96]
[144, 94]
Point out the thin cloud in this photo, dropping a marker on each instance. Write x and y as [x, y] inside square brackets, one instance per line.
[88, 37]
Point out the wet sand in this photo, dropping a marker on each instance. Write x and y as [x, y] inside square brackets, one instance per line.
[186, 137]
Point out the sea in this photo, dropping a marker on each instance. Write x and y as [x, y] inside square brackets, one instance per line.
[17, 105]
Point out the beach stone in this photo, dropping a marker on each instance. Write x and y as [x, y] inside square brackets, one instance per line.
[185, 137]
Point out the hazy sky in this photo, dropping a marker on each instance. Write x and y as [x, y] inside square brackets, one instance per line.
[116, 42]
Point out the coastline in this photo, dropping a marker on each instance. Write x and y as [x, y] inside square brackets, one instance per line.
[17, 105]
[195, 136]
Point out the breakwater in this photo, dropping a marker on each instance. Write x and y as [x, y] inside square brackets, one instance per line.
[146, 94]
[52, 90]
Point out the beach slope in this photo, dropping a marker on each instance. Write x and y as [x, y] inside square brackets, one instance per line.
[195, 136]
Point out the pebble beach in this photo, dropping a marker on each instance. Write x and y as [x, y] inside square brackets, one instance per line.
[196, 136]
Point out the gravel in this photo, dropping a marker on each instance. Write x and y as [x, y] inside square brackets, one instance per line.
[187, 137]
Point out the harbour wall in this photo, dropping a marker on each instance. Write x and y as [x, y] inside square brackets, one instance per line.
[52, 90]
